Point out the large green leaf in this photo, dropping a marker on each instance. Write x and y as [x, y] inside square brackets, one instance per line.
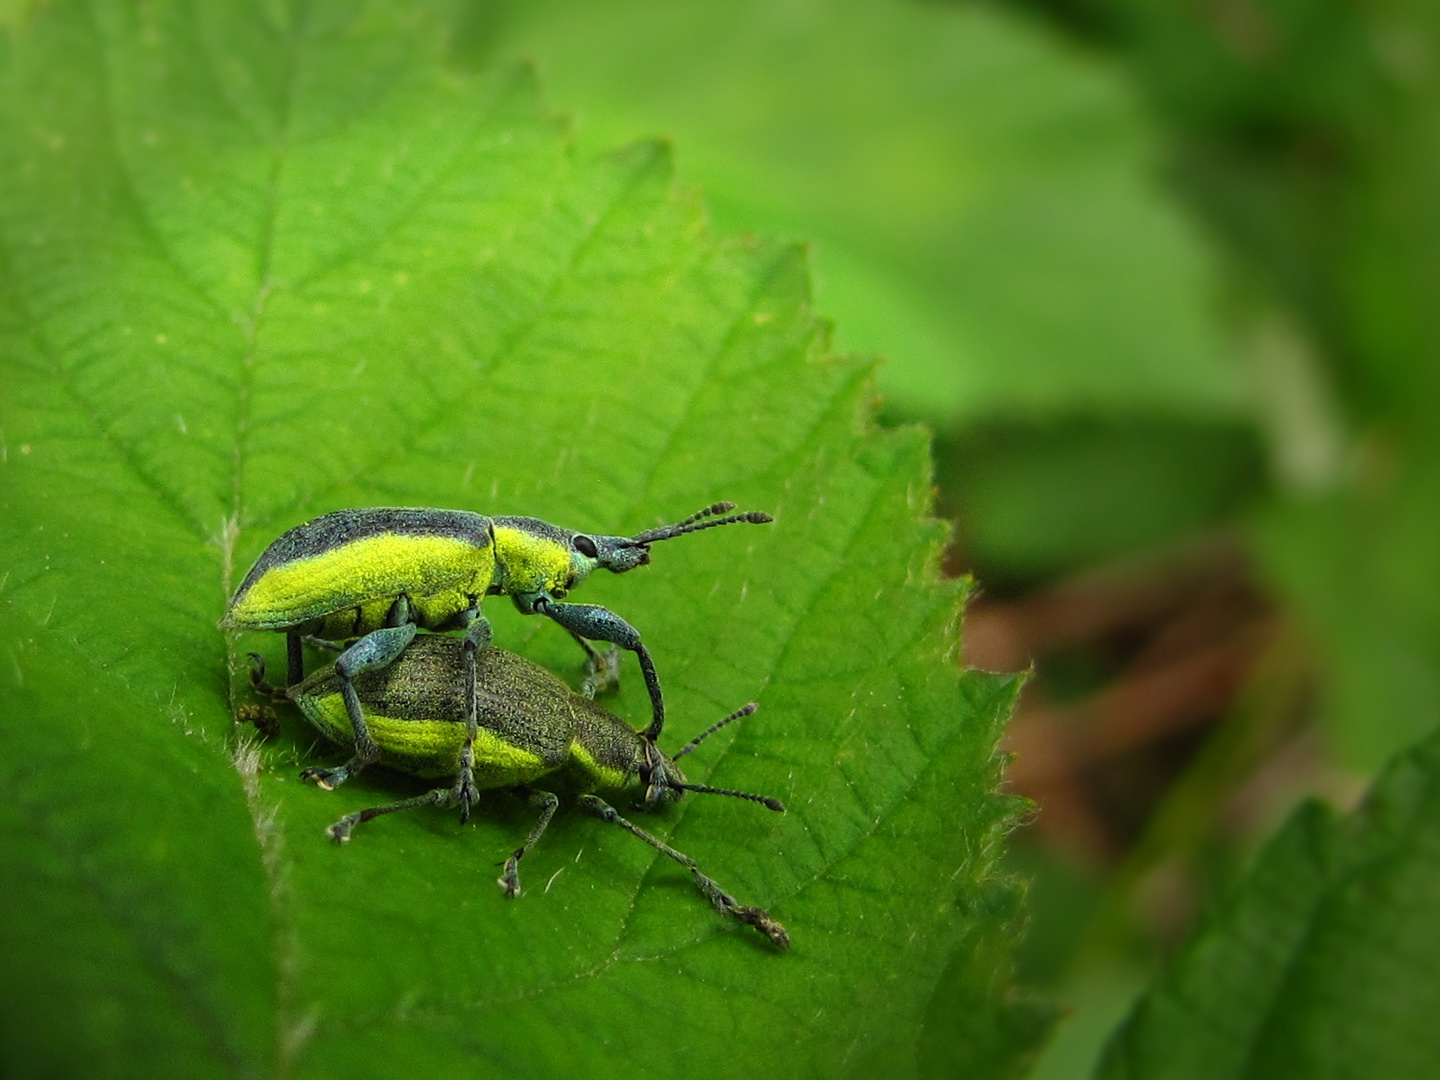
[1323, 964]
[263, 260]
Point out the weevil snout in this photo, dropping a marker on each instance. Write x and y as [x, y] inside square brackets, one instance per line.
[663, 780]
[619, 553]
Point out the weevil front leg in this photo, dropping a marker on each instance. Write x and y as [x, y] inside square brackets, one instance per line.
[509, 879]
[722, 901]
[375, 650]
[600, 624]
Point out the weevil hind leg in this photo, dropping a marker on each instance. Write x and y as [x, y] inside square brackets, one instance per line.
[722, 901]
[509, 879]
[375, 650]
[341, 830]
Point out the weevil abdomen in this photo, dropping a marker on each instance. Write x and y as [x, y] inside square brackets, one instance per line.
[416, 714]
[338, 575]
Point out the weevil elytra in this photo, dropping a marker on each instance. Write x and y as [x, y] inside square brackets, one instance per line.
[531, 726]
[376, 575]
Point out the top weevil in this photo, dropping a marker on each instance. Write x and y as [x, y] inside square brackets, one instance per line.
[378, 574]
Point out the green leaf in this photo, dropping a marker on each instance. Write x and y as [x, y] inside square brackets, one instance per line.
[982, 198]
[259, 261]
[1323, 964]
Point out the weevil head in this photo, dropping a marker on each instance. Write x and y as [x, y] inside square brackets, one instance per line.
[663, 780]
[536, 560]
[621, 553]
[614, 553]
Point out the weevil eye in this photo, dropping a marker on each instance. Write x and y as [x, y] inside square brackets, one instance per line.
[585, 546]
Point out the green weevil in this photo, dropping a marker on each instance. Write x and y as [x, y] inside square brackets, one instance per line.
[531, 725]
[376, 575]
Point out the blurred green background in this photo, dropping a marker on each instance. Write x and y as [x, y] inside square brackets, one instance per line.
[1159, 278]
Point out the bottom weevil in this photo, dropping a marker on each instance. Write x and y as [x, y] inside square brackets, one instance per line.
[531, 725]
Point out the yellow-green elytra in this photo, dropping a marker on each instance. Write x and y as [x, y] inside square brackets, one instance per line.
[374, 576]
[530, 726]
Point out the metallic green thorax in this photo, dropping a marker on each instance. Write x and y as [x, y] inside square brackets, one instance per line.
[531, 724]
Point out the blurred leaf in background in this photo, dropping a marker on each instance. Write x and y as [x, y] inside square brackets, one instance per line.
[978, 193]
[1323, 963]
[263, 260]
[1185, 429]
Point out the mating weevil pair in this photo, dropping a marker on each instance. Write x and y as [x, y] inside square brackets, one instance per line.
[372, 577]
[377, 575]
[532, 726]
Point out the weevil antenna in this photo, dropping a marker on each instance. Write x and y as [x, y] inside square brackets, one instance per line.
[744, 710]
[704, 519]
[763, 800]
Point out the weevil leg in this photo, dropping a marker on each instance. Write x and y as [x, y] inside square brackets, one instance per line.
[260, 683]
[509, 879]
[295, 656]
[602, 669]
[399, 613]
[601, 624]
[375, 650]
[477, 637]
[323, 644]
[722, 901]
[341, 830]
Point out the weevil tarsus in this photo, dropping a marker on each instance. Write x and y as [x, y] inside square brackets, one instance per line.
[602, 668]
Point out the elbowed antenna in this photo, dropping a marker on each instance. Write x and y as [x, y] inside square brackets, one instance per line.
[740, 713]
[763, 800]
[743, 711]
[705, 519]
